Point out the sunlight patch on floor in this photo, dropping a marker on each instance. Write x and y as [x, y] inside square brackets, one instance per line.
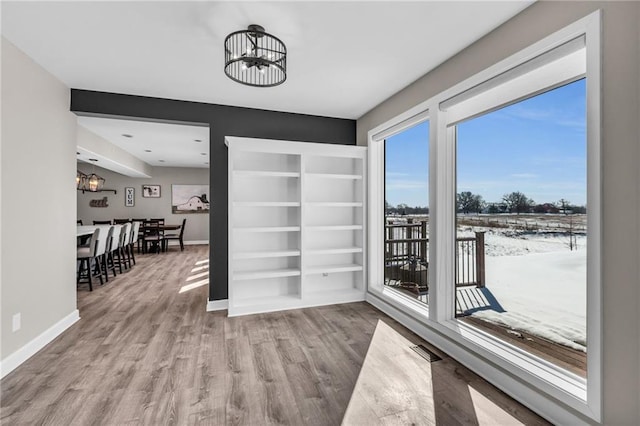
[196, 276]
[193, 285]
[202, 262]
[200, 268]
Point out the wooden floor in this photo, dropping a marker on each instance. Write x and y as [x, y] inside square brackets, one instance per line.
[146, 352]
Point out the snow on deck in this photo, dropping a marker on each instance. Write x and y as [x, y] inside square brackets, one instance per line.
[534, 283]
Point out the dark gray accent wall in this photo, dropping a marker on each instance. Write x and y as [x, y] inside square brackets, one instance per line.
[223, 121]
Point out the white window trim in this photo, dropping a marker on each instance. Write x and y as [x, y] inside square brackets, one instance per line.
[375, 205]
[553, 389]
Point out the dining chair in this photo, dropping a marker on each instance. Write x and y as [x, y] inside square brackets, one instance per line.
[79, 222]
[151, 235]
[175, 236]
[102, 222]
[160, 220]
[120, 221]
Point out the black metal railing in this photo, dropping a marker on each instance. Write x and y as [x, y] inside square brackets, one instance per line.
[406, 248]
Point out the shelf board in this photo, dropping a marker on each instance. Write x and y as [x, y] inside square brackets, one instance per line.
[271, 273]
[332, 204]
[328, 269]
[265, 173]
[335, 228]
[334, 176]
[268, 229]
[266, 204]
[340, 250]
[266, 254]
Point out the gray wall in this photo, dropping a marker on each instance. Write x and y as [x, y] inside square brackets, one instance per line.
[38, 200]
[620, 157]
[197, 227]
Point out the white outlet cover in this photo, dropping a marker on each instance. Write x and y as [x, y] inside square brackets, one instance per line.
[16, 322]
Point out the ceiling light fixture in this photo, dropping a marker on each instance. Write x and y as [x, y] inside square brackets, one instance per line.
[255, 58]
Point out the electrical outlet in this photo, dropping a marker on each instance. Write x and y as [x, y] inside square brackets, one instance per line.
[16, 322]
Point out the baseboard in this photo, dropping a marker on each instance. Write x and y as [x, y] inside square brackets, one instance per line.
[217, 305]
[14, 360]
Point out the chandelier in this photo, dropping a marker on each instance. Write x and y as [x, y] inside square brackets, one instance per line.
[255, 58]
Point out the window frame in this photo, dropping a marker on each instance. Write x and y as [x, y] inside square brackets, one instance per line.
[561, 396]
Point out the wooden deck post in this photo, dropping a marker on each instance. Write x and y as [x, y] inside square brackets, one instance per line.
[480, 271]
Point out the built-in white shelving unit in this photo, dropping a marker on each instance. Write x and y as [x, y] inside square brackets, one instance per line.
[296, 224]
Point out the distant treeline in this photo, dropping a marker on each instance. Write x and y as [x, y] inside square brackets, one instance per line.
[514, 202]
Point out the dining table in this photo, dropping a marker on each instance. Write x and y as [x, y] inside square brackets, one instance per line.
[83, 230]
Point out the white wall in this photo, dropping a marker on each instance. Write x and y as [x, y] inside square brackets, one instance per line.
[38, 202]
[197, 226]
[620, 171]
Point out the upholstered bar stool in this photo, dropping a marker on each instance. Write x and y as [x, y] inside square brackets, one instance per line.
[87, 255]
[135, 231]
[113, 239]
[125, 237]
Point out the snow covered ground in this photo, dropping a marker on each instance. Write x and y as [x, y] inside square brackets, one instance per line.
[539, 284]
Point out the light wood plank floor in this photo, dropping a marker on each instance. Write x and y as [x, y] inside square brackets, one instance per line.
[146, 352]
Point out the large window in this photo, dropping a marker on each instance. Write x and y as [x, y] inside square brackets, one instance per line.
[490, 213]
[406, 212]
[521, 228]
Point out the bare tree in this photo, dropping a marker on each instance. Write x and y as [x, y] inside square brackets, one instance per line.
[468, 202]
[517, 202]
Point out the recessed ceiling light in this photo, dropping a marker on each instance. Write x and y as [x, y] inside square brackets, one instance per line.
[127, 135]
[203, 153]
[206, 162]
[93, 159]
[160, 161]
[77, 153]
[147, 150]
[197, 140]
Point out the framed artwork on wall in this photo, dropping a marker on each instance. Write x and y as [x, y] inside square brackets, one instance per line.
[189, 199]
[151, 191]
[129, 197]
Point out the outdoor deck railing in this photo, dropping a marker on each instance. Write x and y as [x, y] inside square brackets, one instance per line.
[407, 257]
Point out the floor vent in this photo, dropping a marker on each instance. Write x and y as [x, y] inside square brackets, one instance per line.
[425, 353]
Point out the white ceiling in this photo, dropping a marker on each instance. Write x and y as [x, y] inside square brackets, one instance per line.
[157, 144]
[344, 57]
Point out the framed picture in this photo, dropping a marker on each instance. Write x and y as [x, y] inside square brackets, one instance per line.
[189, 199]
[150, 191]
[129, 197]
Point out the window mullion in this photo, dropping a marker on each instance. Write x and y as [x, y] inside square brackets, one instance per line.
[442, 299]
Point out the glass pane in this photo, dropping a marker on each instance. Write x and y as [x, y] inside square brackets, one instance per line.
[521, 224]
[406, 251]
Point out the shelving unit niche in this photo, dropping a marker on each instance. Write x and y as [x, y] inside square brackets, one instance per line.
[334, 287]
[271, 294]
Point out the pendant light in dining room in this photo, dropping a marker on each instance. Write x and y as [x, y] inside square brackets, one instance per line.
[95, 183]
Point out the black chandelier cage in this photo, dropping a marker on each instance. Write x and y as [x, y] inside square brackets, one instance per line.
[255, 58]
